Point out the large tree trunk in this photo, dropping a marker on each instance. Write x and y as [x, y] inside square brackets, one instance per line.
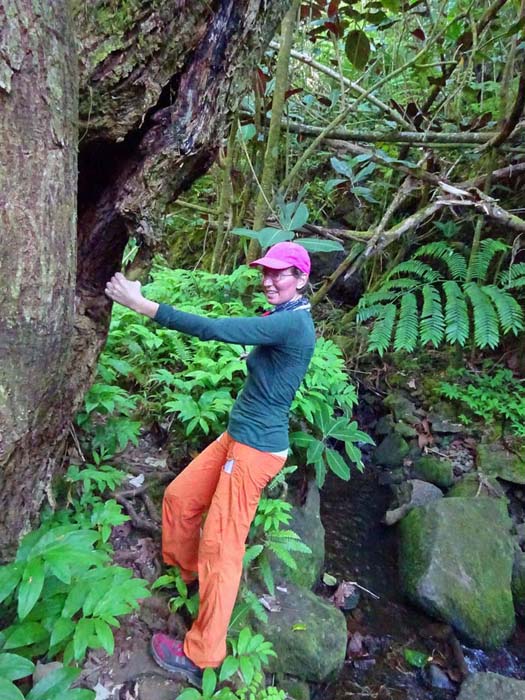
[157, 82]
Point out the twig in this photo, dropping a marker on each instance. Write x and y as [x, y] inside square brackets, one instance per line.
[137, 521]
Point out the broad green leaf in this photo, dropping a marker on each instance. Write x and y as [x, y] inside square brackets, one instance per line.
[83, 631]
[357, 48]
[244, 638]
[299, 218]
[270, 236]
[337, 464]
[248, 131]
[30, 587]
[52, 686]
[189, 694]
[8, 691]
[9, 577]
[62, 629]
[13, 667]
[79, 694]
[209, 682]
[24, 634]
[320, 245]
[247, 669]
[245, 232]
[105, 635]
[229, 666]
[415, 658]
[314, 451]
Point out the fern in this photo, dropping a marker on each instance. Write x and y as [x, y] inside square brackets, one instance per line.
[432, 323]
[514, 277]
[455, 262]
[456, 314]
[483, 258]
[486, 326]
[415, 267]
[407, 326]
[382, 331]
[509, 311]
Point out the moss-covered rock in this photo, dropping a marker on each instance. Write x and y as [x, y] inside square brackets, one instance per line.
[491, 686]
[392, 451]
[296, 690]
[518, 583]
[436, 471]
[495, 460]
[309, 635]
[456, 558]
[476, 485]
[402, 408]
[306, 522]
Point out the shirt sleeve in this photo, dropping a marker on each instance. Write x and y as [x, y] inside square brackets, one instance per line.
[260, 330]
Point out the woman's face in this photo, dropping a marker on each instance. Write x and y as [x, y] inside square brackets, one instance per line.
[280, 286]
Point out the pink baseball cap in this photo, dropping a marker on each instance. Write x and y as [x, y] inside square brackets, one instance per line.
[283, 255]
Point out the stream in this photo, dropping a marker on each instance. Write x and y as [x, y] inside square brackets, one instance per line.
[359, 548]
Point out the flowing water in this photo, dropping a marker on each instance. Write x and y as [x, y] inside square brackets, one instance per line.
[359, 548]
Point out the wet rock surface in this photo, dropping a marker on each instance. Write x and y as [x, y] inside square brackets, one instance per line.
[459, 570]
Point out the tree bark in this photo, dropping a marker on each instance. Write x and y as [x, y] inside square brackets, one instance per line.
[38, 106]
[156, 87]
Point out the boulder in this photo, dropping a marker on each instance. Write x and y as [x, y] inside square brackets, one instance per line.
[495, 460]
[436, 471]
[456, 558]
[491, 686]
[308, 634]
[518, 582]
[402, 408]
[410, 494]
[306, 522]
[476, 485]
[391, 451]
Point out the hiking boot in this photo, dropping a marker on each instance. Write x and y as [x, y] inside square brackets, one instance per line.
[169, 654]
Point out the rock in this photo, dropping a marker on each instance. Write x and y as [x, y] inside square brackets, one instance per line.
[443, 425]
[391, 451]
[42, 670]
[402, 408]
[520, 532]
[475, 485]
[306, 522]
[309, 636]
[518, 582]
[296, 690]
[436, 471]
[155, 687]
[459, 569]
[411, 494]
[439, 679]
[405, 430]
[491, 686]
[384, 425]
[495, 460]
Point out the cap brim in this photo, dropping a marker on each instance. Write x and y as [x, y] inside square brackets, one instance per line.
[272, 263]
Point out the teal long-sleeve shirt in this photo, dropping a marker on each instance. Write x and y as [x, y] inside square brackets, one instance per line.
[276, 366]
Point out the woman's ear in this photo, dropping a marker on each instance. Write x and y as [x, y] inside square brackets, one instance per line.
[303, 281]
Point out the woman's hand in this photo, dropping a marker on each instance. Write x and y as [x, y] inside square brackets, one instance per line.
[128, 294]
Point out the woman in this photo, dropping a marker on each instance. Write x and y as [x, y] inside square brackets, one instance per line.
[227, 478]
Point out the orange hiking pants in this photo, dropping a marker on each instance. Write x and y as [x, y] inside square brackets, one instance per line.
[225, 480]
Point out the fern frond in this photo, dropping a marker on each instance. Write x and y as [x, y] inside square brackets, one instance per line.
[432, 324]
[486, 327]
[509, 311]
[400, 283]
[370, 312]
[514, 277]
[267, 574]
[283, 554]
[456, 314]
[455, 262]
[382, 331]
[375, 298]
[407, 325]
[483, 258]
[415, 267]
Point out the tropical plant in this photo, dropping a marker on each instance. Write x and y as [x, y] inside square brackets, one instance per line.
[173, 579]
[419, 302]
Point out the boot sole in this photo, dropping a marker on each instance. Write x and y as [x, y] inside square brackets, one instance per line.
[193, 678]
